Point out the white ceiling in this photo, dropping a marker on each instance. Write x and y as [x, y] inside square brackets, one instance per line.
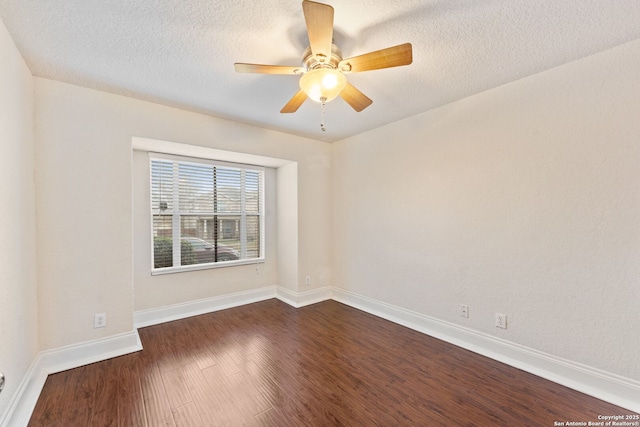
[181, 52]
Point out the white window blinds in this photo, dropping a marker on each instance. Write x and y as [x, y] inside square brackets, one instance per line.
[205, 212]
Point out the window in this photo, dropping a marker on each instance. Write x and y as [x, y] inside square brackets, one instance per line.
[205, 213]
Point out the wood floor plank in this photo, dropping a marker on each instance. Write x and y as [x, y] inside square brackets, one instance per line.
[267, 383]
[269, 364]
[50, 407]
[274, 417]
[127, 375]
[79, 401]
[248, 396]
[187, 416]
[156, 402]
[201, 392]
[105, 399]
[131, 412]
[176, 388]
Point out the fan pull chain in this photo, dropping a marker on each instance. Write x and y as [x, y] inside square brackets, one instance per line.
[323, 100]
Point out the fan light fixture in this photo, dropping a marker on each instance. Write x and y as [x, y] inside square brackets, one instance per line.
[322, 75]
[323, 84]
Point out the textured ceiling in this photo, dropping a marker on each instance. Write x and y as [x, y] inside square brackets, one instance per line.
[181, 53]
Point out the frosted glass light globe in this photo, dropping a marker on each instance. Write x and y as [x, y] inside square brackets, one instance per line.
[322, 83]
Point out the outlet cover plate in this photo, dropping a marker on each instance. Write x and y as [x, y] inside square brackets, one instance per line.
[464, 310]
[501, 320]
[100, 320]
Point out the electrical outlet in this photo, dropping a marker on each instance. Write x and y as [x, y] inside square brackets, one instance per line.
[501, 320]
[307, 280]
[100, 320]
[464, 310]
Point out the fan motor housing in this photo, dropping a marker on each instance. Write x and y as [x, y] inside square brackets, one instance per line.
[311, 61]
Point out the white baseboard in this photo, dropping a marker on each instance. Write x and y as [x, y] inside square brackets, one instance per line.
[169, 313]
[25, 397]
[300, 299]
[605, 386]
[72, 356]
[60, 359]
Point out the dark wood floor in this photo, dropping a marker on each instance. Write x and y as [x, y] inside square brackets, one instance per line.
[268, 364]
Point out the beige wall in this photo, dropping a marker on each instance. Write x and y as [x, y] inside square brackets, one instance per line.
[287, 223]
[18, 292]
[523, 200]
[85, 206]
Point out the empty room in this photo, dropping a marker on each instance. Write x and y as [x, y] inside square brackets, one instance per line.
[294, 213]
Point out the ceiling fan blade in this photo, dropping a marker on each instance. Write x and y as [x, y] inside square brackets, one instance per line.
[266, 69]
[295, 102]
[319, 20]
[358, 100]
[385, 58]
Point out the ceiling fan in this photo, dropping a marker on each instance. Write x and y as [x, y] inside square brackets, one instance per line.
[323, 71]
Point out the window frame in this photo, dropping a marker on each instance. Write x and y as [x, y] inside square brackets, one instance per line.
[177, 213]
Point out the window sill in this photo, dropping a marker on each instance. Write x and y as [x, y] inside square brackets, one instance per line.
[196, 267]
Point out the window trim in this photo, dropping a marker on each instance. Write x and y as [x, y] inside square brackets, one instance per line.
[220, 264]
